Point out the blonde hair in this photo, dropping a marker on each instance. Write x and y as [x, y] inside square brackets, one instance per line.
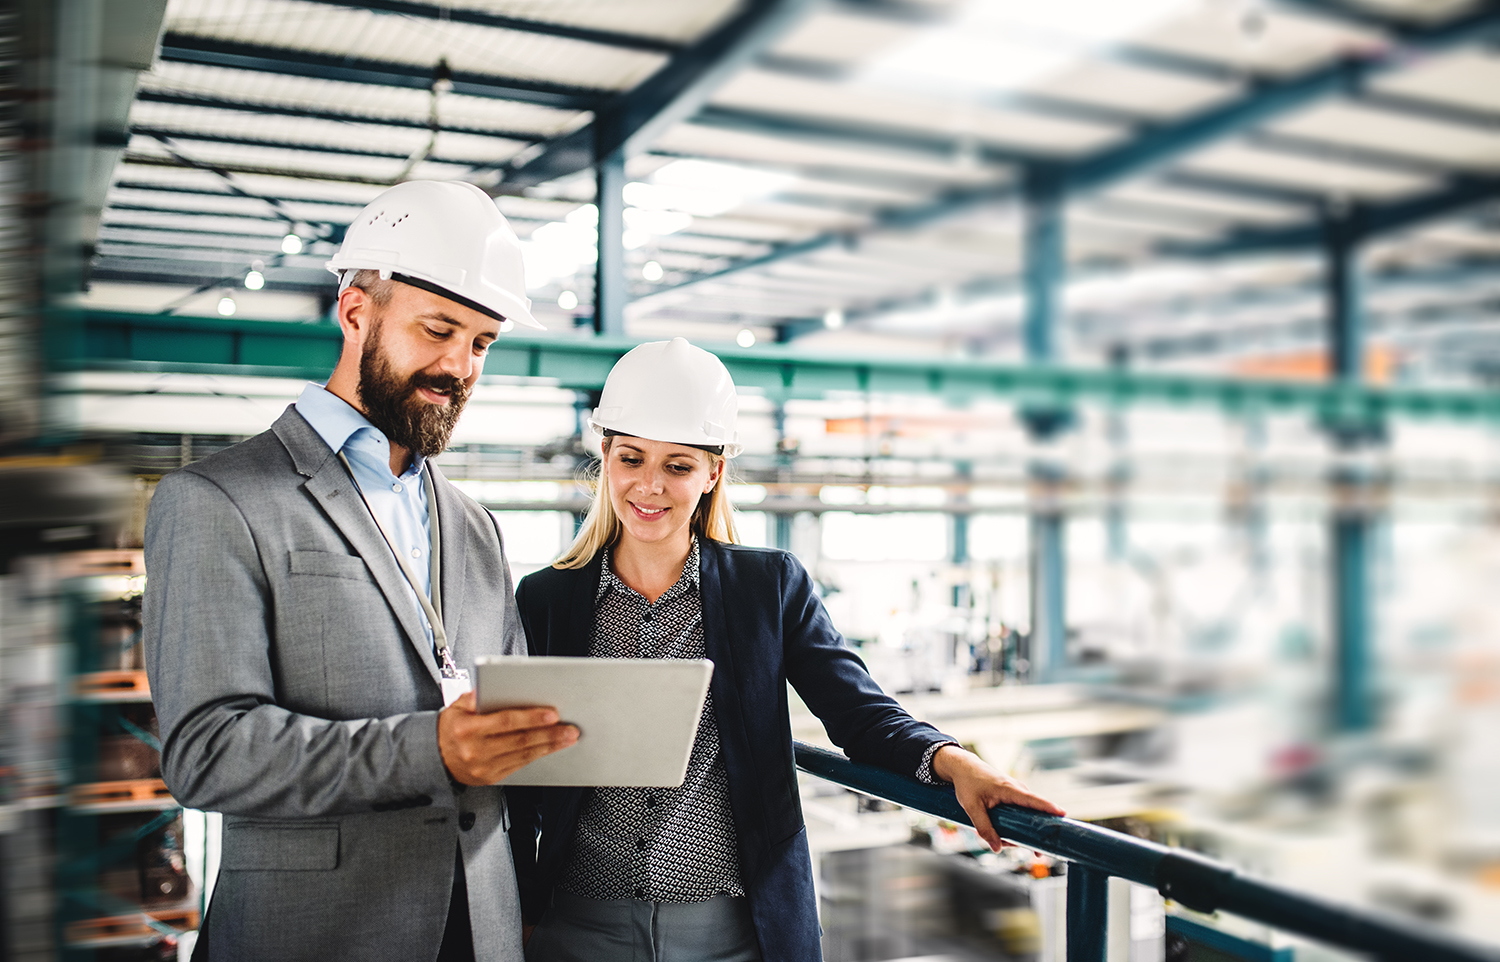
[713, 519]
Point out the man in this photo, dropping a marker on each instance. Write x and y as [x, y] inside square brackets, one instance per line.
[302, 638]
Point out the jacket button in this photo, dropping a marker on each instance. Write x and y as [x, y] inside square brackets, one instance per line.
[466, 821]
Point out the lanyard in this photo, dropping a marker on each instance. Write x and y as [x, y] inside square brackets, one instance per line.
[431, 607]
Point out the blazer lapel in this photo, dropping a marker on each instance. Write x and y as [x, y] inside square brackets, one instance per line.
[331, 487]
[728, 709]
[453, 535]
[580, 617]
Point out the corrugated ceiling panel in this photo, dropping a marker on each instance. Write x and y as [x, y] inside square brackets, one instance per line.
[1361, 126]
[396, 102]
[1209, 203]
[348, 32]
[1258, 38]
[843, 37]
[850, 103]
[1316, 176]
[755, 148]
[1465, 78]
[678, 20]
[1136, 90]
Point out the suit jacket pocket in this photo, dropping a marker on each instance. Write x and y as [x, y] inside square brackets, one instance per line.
[329, 564]
[293, 847]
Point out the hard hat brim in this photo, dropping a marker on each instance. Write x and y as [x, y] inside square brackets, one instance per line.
[517, 313]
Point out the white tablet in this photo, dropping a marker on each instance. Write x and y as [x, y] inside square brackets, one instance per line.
[637, 717]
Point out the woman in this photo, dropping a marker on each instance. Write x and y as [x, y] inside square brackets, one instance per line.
[717, 869]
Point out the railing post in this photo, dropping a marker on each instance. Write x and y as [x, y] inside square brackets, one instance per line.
[1088, 914]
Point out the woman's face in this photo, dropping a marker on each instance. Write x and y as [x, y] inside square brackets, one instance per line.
[655, 486]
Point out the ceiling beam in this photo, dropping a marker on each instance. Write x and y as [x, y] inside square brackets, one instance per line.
[1264, 100]
[186, 134]
[447, 13]
[314, 113]
[186, 48]
[1368, 220]
[632, 121]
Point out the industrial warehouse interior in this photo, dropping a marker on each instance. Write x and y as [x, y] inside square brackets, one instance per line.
[1124, 373]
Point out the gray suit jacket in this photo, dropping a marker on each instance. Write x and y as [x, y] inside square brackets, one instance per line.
[297, 694]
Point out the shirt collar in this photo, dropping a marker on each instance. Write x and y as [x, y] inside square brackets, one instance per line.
[340, 425]
[609, 581]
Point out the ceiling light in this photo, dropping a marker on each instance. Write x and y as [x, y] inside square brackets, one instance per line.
[254, 281]
[745, 338]
[634, 239]
[585, 216]
[834, 319]
[651, 271]
[291, 244]
[226, 305]
[567, 300]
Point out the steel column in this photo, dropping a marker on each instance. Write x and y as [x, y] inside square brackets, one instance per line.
[1045, 269]
[1048, 653]
[1350, 530]
[1088, 914]
[609, 272]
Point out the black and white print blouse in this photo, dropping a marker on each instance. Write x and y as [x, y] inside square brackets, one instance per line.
[662, 844]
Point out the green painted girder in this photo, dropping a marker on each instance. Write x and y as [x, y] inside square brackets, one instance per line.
[98, 340]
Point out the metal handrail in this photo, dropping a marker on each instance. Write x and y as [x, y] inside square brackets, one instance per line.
[1197, 882]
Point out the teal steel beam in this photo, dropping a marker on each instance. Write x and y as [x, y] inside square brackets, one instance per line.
[630, 122]
[177, 47]
[125, 341]
[271, 109]
[1457, 194]
[448, 13]
[1264, 100]
[610, 290]
[1351, 526]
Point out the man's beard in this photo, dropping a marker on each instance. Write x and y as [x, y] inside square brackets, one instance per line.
[392, 405]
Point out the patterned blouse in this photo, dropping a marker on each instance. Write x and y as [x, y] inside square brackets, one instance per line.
[662, 844]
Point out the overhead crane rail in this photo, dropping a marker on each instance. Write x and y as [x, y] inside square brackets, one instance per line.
[113, 341]
[1095, 854]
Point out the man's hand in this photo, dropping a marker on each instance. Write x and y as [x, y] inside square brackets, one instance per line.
[980, 788]
[485, 749]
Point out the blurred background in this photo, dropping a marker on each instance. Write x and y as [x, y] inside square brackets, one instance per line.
[1123, 371]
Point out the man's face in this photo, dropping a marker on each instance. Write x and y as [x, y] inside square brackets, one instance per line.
[421, 356]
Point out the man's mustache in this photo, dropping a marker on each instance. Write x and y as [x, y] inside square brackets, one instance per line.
[455, 388]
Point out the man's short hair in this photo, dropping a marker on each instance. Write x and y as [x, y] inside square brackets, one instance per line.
[378, 288]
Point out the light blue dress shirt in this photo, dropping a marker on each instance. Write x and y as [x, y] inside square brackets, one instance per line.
[399, 503]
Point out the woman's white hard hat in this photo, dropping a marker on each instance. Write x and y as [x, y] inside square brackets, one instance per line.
[446, 237]
[670, 391]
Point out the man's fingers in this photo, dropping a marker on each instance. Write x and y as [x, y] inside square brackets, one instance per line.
[519, 719]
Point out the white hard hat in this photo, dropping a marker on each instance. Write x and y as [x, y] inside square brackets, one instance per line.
[445, 237]
[670, 391]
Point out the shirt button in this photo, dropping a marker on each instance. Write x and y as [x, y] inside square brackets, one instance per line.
[466, 821]
[640, 893]
[650, 801]
[416, 552]
[640, 844]
[396, 487]
[646, 616]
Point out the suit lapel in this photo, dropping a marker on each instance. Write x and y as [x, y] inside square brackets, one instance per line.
[331, 487]
[453, 538]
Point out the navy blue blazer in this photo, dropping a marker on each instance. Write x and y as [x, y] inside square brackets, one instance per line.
[763, 626]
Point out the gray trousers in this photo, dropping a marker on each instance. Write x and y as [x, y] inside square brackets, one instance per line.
[576, 929]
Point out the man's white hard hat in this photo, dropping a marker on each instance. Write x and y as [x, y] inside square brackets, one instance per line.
[670, 391]
[446, 237]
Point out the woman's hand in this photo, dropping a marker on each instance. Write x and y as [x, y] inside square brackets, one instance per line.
[980, 788]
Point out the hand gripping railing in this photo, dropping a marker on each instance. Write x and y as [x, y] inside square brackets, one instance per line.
[1199, 883]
